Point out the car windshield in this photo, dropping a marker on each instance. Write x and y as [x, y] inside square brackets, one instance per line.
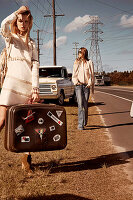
[98, 77]
[50, 72]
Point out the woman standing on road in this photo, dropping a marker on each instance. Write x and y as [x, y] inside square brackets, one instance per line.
[83, 78]
[21, 83]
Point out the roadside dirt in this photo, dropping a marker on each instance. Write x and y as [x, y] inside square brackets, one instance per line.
[89, 168]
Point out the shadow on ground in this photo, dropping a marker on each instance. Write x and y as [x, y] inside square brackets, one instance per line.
[92, 127]
[56, 197]
[94, 163]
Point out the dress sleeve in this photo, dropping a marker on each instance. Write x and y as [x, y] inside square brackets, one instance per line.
[35, 69]
[5, 26]
[75, 73]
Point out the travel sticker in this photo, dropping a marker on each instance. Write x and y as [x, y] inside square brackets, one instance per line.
[25, 139]
[40, 121]
[56, 138]
[19, 130]
[59, 113]
[52, 128]
[59, 122]
[40, 132]
[29, 117]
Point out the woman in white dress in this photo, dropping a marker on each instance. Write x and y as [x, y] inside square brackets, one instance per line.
[21, 83]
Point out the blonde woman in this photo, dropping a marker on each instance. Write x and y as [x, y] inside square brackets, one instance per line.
[83, 79]
[21, 83]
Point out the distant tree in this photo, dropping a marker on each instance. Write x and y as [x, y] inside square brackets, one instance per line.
[121, 78]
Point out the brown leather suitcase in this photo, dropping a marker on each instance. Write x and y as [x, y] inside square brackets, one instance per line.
[35, 127]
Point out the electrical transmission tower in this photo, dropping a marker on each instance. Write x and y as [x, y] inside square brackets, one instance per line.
[76, 49]
[94, 53]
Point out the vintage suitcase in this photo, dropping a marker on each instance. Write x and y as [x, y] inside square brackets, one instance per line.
[35, 127]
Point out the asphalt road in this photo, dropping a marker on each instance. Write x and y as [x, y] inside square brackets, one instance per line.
[114, 104]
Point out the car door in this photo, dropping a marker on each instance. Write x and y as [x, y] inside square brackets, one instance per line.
[67, 84]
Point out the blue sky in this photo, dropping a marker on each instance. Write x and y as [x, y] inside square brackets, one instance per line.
[116, 15]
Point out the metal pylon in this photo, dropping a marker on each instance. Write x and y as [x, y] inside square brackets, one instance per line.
[94, 53]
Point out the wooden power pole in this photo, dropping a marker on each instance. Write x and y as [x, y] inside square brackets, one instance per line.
[38, 44]
[54, 31]
[38, 50]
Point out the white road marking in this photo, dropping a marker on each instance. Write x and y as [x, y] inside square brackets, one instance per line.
[116, 96]
[118, 89]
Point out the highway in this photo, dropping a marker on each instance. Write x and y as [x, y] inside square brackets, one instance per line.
[114, 104]
[122, 92]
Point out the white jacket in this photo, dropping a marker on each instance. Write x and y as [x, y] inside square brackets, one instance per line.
[83, 73]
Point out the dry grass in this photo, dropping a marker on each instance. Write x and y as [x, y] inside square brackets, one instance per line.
[87, 169]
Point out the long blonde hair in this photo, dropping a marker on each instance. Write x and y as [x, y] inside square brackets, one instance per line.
[84, 52]
[14, 28]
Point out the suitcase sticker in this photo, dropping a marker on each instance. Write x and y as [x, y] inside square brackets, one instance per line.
[29, 117]
[55, 118]
[40, 132]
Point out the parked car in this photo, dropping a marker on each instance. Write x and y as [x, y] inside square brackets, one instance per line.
[55, 83]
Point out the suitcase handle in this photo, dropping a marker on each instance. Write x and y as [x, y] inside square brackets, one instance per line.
[30, 101]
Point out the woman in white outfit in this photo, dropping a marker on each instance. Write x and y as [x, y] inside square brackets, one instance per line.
[21, 83]
[83, 79]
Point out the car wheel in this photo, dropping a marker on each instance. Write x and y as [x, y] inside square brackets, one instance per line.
[61, 99]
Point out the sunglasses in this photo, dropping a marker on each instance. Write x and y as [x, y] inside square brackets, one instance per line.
[79, 51]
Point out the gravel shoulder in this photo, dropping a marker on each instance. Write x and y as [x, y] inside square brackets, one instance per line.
[89, 168]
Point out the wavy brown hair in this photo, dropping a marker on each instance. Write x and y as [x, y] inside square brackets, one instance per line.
[14, 28]
[84, 53]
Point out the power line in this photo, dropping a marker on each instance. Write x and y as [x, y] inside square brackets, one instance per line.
[49, 3]
[42, 6]
[37, 7]
[59, 6]
[109, 5]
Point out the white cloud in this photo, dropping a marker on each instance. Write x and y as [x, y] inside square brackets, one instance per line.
[78, 22]
[49, 44]
[126, 21]
[59, 41]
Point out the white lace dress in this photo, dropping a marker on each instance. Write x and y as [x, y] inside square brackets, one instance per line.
[23, 68]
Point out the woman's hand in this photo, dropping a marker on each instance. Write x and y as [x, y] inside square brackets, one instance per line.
[35, 97]
[22, 9]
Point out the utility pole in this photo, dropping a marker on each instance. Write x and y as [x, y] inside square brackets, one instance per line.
[54, 31]
[38, 44]
[94, 53]
[76, 49]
